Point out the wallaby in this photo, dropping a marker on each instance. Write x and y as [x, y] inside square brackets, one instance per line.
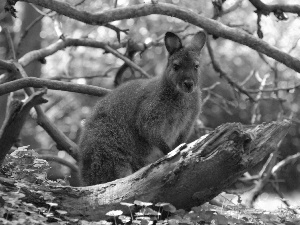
[144, 119]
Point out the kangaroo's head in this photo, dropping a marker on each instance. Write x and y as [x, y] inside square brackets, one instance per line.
[184, 62]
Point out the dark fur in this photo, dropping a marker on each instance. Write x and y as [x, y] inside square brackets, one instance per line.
[142, 120]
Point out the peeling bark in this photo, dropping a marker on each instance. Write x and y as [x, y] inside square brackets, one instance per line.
[188, 176]
[15, 119]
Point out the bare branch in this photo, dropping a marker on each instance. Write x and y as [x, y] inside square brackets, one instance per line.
[282, 198]
[224, 75]
[62, 161]
[247, 78]
[58, 27]
[15, 120]
[61, 44]
[62, 141]
[134, 11]
[117, 30]
[128, 61]
[211, 87]
[233, 7]
[10, 42]
[228, 10]
[273, 89]
[27, 29]
[89, 76]
[275, 8]
[9, 70]
[255, 109]
[7, 66]
[284, 162]
[51, 84]
[261, 183]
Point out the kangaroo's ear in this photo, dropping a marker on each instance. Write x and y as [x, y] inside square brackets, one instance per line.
[172, 42]
[198, 41]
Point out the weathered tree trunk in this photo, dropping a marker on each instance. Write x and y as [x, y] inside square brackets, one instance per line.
[15, 119]
[188, 176]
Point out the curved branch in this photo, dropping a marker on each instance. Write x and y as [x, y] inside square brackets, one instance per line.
[7, 66]
[62, 141]
[61, 44]
[211, 26]
[15, 120]
[51, 84]
[284, 162]
[223, 74]
[55, 158]
[267, 9]
[276, 89]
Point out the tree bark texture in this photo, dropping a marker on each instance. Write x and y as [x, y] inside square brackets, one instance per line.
[188, 176]
[16, 116]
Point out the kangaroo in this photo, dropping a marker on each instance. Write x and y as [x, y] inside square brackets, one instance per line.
[143, 119]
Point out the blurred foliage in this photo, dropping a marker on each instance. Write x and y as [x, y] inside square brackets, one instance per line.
[68, 110]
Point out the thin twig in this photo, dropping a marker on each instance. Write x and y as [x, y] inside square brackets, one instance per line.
[228, 10]
[284, 162]
[62, 161]
[213, 86]
[256, 191]
[27, 29]
[125, 59]
[61, 44]
[97, 75]
[58, 27]
[63, 142]
[258, 97]
[79, 3]
[224, 75]
[273, 89]
[10, 42]
[282, 198]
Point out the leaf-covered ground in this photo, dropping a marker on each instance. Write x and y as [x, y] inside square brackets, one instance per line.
[26, 169]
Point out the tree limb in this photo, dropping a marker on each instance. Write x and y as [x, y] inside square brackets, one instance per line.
[285, 162]
[211, 26]
[62, 141]
[6, 66]
[66, 42]
[15, 120]
[266, 9]
[224, 75]
[51, 84]
[57, 159]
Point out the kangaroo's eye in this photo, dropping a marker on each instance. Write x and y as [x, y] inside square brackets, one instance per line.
[196, 67]
[176, 67]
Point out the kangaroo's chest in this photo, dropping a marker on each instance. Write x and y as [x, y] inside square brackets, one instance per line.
[175, 123]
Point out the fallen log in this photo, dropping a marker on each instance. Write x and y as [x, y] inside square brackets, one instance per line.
[188, 176]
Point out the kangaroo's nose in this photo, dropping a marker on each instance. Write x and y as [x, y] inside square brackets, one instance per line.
[188, 85]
